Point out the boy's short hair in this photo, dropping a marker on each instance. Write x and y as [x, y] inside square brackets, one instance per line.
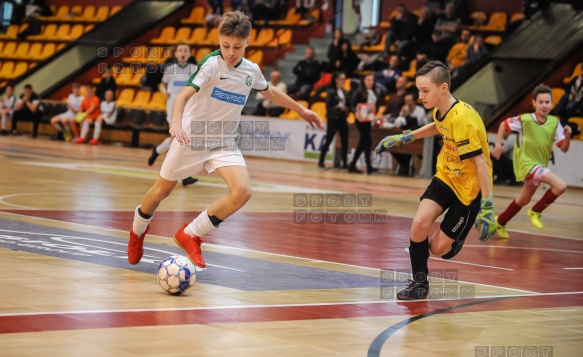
[437, 71]
[182, 44]
[541, 89]
[235, 24]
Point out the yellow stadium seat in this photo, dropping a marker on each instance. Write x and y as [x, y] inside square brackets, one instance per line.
[517, 16]
[48, 33]
[7, 70]
[197, 16]
[136, 77]
[166, 35]
[576, 72]
[20, 69]
[101, 13]
[122, 78]
[142, 99]
[88, 13]
[47, 51]
[283, 38]
[136, 55]
[88, 28]
[157, 102]
[198, 34]
[557, 93]
[410, 73]
[182, 35]
[579, 122]
[256, 57]
[114, 10]
[320, 109]
[62, 33]
[1, 46]
[76, 32]
[212, 38]
[291, 18]
[126, 97]
[312, 17]
[10, 33]
[290, 114]
[497, 22]
[265, 36]
[61, 13]
[21, 51]
[493, 40]
[8, 50]
[201, 53]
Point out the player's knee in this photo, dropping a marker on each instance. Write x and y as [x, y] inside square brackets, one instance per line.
[161, 192]
[439, 249]
[419, 226]
[559, 189]
[243, 194]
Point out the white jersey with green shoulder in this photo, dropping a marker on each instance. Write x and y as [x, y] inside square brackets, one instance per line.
[214, 112]
[176, 77]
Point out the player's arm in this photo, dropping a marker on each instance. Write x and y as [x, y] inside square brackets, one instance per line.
[564, 146]
[176, 129]
[276, 95]
[498, 147]
[163, 89]
[407, 137]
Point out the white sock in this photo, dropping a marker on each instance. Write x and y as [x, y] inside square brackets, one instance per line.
[97, 131]
[200, 226]
[164, 146]
[140, 223]
[84, 128]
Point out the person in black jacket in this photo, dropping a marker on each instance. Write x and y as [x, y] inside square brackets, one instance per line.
[337, 109]
[107, 83]
[346, 59]
[365, 104]
[307, 72]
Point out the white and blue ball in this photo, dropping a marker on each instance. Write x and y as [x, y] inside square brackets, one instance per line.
[176, 274]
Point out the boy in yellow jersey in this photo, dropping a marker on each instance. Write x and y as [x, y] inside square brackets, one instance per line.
[462, 184]
[536, 134]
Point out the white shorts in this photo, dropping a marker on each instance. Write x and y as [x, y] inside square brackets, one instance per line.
[68, 115]
[182, 162]
[536, 175]
[110, 120]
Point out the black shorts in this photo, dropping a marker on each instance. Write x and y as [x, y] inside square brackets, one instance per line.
[459, 218]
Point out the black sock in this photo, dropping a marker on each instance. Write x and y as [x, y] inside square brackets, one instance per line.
[419, 254]
[142, 214]
[215, 221]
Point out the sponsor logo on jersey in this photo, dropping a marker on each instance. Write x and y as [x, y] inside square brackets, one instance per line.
[229, 97]
[180, 83]
[463, 143]
[248, 81]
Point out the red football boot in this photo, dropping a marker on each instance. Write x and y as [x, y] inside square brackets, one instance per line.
[191, 245]
[136, 246]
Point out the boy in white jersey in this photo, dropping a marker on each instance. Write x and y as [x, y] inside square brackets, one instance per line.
[64, 121]
[175, 77]
[536, 134]
[107, 109]
[7, 106]
[222, 84]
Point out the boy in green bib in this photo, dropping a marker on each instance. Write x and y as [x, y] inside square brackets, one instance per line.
[537, 132]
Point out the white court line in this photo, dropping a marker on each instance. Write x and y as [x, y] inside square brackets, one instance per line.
[525, 248]
[573, 268]
[473, 264]
[222, 247]
[229, 307]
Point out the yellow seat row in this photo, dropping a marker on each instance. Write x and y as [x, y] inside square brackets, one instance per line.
[78, 13]
[36, 51]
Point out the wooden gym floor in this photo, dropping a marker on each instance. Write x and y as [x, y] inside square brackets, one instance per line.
[275, 285]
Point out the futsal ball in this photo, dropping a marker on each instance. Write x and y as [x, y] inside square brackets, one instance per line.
[176, 274]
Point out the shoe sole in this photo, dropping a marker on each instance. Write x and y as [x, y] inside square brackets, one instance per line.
[181, 247]
[408, 298]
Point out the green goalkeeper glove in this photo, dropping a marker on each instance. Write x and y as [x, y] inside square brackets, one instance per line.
[485, 221]
[394, 140]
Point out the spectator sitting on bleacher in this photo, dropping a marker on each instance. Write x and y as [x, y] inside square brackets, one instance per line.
[7, 106]
[216, 11]
[396, 101]
[304, 6]
[107, 109]
[267, 107]
[401, 30]
[388, 77]
[437, 49]
[571, 102]
[267, 10]
[88, 114]
[346, 59]
[307, 73]
[64, 121]
[107, 83]
[27, 108]
[34, 26]
[241, 5]
[411, 117]
[476, 50]
[448, 23]
[456, 57]
[422, 32]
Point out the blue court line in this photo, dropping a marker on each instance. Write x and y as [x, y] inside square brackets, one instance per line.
[242, 273]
